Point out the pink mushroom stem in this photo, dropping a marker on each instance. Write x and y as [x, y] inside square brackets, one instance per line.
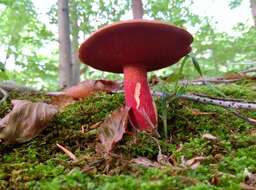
[143, 113]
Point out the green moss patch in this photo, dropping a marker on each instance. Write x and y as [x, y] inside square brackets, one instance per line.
[39, 164]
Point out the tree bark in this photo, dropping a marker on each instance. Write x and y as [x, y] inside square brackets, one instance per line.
[253, 9]
[137, 9]
[75, 43]
[65, 60]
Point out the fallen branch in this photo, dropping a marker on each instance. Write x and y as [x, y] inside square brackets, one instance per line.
[12, 86]
[241, 116]
[209, 80]
[251, 70]
[227, 103]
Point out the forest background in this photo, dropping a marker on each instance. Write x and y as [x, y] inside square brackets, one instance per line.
[29, 50]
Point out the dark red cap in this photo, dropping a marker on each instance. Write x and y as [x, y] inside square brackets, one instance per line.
[151, 44]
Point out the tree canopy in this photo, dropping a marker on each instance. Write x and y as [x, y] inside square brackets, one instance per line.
[30, 52]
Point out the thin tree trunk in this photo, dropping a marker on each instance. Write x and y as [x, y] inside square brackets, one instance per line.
[65, 60]
[75, 43]
[137, 9]
[253, 9]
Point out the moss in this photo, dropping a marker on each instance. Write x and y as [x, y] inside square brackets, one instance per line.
[39, 164]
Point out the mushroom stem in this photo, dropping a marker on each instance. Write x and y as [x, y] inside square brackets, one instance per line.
[143, 114]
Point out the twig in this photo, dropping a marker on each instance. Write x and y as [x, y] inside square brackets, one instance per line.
[243, 117]
[210, 80]
[12, 86]
[228, 103]
[67, 152]
[251, 70]
[5, 95]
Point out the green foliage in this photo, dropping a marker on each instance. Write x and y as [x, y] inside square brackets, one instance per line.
[24, 38]
[22, 35]
[172, 11]
[235, 3]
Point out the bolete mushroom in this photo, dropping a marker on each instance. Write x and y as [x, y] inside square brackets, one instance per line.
[134, 48]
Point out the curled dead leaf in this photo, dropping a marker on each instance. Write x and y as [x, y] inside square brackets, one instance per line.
[81, 90]
[193, 163]
[89, 87]
[113, 128]
[60, 99]
[145, 162]
[25, 121]
[209, 136]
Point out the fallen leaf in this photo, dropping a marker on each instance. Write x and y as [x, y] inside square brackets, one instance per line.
[81, 90]
[25, 121]
[60, 99]
[215, 180]
[145, 162]
[113, 128]
[209, 136]
[89, 87]
[194, 163]
[163, 159]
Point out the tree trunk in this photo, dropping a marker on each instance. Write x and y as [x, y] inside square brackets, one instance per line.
[253, 9]
[75, 43]
[65, 60]
[137, 9]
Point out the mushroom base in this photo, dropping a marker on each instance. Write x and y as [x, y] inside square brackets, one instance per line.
[143, 115]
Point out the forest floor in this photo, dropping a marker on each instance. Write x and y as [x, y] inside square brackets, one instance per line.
[208, 147]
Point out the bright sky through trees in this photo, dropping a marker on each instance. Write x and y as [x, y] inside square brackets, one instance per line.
[219, 10]
[30, 45]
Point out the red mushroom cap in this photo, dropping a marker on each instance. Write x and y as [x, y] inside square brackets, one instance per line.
[153, 44]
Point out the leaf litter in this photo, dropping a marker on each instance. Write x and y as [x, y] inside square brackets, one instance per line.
[113, 128]
[25, 121]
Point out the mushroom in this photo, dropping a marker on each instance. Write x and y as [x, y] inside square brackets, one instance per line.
[134, 48]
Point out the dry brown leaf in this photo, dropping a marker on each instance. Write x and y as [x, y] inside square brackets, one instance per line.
[209, 136]
[163, 159]
[60, 99]
[195, 162]
[25, 121]
[81, 90]
[145, 162]
[215, 180]
[89, 87]
[113, 128]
